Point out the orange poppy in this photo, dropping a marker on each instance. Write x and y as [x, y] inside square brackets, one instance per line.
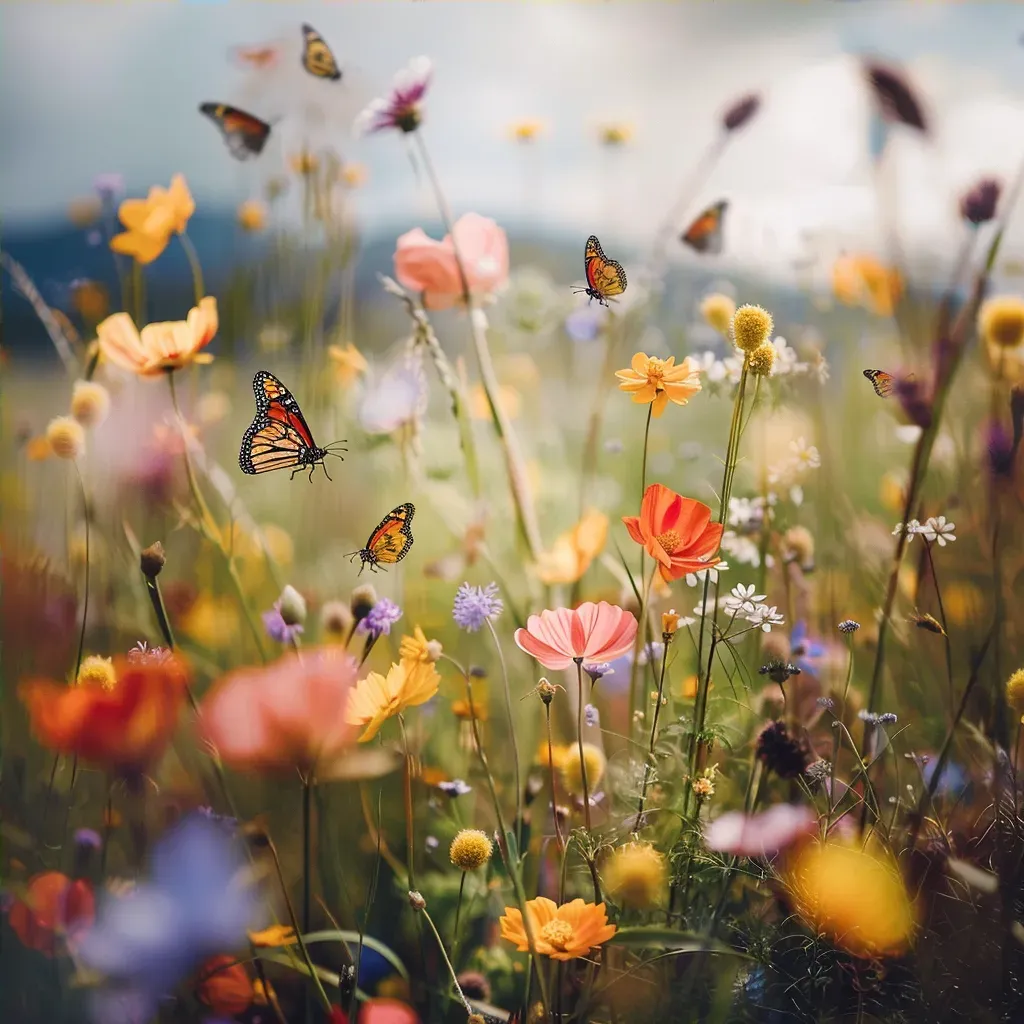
[675, 531]
[124, 729]
[54, 907]
[224, 986]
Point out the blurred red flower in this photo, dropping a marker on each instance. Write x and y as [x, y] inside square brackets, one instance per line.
[54, 907]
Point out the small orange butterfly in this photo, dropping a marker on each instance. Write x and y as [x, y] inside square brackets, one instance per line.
[391, 541]
[605, 277]
[704, 235]
[884, 383]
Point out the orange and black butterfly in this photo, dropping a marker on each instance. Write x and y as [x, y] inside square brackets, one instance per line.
[245, 134]
[317, 58]
[883, 383]
[605, 277]
[278, 438]
[391, 541]
[704, 235]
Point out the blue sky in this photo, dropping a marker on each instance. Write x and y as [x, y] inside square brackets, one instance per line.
[88, 88]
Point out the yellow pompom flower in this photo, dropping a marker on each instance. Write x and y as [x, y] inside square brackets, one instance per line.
[761, 361]
[718, 311]
[97, 671]
[615, 133]
[1015, 691]
[572, 776]
[635, 876]
[90, 403]
[751, 327]
[1001, 321]
[526, 130]
[470, 849]
[65, 437]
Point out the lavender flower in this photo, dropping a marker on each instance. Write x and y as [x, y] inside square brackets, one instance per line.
[401, 109]
[849, 626]
[591, 715]
[277, 629]
[454, 788]
[380, 618]
[597, 669]
[476, 605]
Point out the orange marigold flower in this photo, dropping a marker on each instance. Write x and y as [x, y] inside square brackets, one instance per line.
[160, 346]
[152, 221]
[376, 698]
[560, 932]
[660, 381]
[224, 986]
[124, 729]
[573, 551]
[675, 531]
[53, 907]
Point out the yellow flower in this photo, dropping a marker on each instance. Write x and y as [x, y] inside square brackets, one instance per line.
[572, 776]
[560, 932]
[559, 753]
[84, 212]
[718, 310]
[304, 162]
[964, 601]
[38, 449]
[252, 215]
[1015, 691]
[861, 280]
[751, 327]
[65, 437]
[97, 671]
[1001, 321]
[635, 876]
[376, 698]
[152, 221]
[470, 849]
[349, 363]
[418, 649]
[615, 133]
[353, 174]
[526, 130]
[212, 621]
[275, 935]
[761, 361]
[669, 621]
[573, 551]
[508, 398]
[161, 346]
[855, 896]
[660, 381]
[90, 403]
[90, 299]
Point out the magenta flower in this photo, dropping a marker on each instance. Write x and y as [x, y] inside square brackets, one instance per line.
[401, 109]
[760, 835]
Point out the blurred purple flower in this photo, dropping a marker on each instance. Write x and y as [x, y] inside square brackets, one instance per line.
[740, 112]
[598, 669]
[109, 186]
[760, 835]
[585, 323]
[380, 618]
[196, 903]
[277, 629]
[396, 399]
[804, 651]
[978, 203]
[88, 838]
[896, 100]
[454, 788]
[401, 109]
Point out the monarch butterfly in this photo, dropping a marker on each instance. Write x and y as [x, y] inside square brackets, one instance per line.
[605, 277]
[883, 383]
[391, 541]
[705, 233]
[317, 58]
[278, 438]
[245, 134]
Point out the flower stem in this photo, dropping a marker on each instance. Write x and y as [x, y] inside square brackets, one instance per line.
[448, 963]
[193, 263]
[410, 841]
[579, 742]
[512, 731]
[554, 800]
[942, 619]
[649, 764]
[85, 596]
[139, 293]
[307, 871]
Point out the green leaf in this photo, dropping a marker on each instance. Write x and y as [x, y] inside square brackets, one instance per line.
[351, 940]
[657, 937]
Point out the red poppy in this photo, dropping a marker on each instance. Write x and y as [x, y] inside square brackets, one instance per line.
[224, 986]
[55, 906]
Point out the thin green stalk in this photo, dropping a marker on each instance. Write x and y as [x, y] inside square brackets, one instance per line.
[307, 872]
[649, 763]
[410, 841]
[942, 617]
[85, 597]
[193, 263]
[451, 970]
[551, 775]
[512, 731]
[579, 742]
[139, 293]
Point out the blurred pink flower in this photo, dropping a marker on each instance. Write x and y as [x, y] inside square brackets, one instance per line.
[429, 267]
[401, 109]
[760, 835]
[591, 632]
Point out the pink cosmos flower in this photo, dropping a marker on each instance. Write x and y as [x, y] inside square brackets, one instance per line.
[760, 835]
[401, 109]
[429, 267]
[591, 632]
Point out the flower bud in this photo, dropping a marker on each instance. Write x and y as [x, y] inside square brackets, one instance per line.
[416, 900]
[152, 560]
[545, 691]
[90, 403]
[293, 606]
[362, 601]
[669, 623]
[336, 619]
[66, 437]
[751, 327]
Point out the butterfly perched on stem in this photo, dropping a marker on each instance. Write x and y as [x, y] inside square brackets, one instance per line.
[317, 58]
[278, 438]
[390, 542]
[605, 277]
[704, 235]
[245, 134]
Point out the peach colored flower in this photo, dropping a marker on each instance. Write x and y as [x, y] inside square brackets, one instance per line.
[659, 381]
[591, 632]
[429, 267]
[560, 932]
[571, 554]
[675, 531]
[152, 221]
[284, 716]
[161, 346]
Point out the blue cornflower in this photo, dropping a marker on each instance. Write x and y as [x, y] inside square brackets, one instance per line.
[476, 605]
[597, 669]
[591, 715]
[277, 629]
[380, 618]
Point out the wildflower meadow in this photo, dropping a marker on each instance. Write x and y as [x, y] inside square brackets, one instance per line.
[416, 620]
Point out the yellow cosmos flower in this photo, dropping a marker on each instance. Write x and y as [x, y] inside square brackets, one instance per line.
[161, 346]
[861, 280]
[152, 221]
[349, 363]
[573, 551]
[377, 698]
[615, 133]
[560, 932]
[418, 649]
[660, 381]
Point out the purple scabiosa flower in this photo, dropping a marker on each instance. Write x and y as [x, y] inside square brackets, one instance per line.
[476, 605]
[585, 323]
[277, 629]
[380, 618]
[598, 669]
[431, 843]
[455, 788]
[401, 109]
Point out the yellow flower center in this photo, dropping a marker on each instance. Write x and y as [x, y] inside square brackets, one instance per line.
[656, 373]
[669, 540]
[557, 934]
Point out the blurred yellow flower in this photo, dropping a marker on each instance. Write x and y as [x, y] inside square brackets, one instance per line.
[348, 362]
[559, 753]
[353, 174]
[1015, 691]
[659, 381]
[508, 398]
[1001, 320]
[275, 935]
[861, 280]
[90, 403]
[574, 550]
[38, 448]
[152, 221]
[417, 648]
[572, 775]
[96, 670]
[891, 491]
[84, 212]
[718, 311]
[635, 876]
[854, 895]
[304, 162]
[90, 299]
[160, 347]
[376, 698]
[212, 622]
[66, 437]
[527, 130]
[279, 543]
[615, 133]
[252, 215]
[964, 602]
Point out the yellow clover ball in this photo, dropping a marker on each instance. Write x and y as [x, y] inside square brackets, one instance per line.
[718, 311]
[572, 776]
[751, 327]
[97, 671]
[1001, 321]
[761, 361]
[635, 876]
[90, 403]
[66, 437]
[1015, 691]
[470, 849]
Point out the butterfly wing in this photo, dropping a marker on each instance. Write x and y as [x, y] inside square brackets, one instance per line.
[883, 383]
[245, 134]
[317, 58]
[704, 235]
[604, 276]
[278, 438]
[391, 541]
